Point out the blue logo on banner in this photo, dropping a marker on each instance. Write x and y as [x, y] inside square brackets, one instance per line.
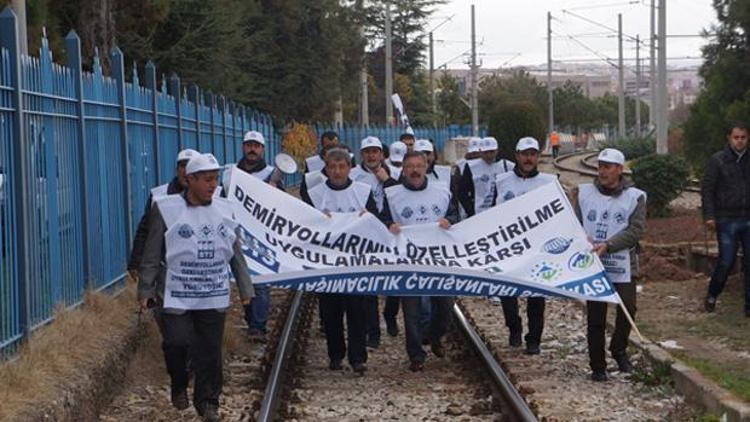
[557, 245]
[581, 260]
[508, 196]
[591, 216]
[254, 249]
[546, 271]
[185, 231]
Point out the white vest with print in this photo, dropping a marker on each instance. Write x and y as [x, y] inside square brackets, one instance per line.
[484, 176]
[359, 174]
[394, 171]
[264, 175]
[314, 163]
[351, 199]
[510, 186]
[199, 245]
[410, 207]
[159, 191]
[605, 216]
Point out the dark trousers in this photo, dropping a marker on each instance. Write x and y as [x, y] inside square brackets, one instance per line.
[391, 307]
[440, 318]
[372, 319]
[333, 307]
[729, 233]
[256, 312]
[555, 151]
[534, 314]
[597, 319]
[200, 335]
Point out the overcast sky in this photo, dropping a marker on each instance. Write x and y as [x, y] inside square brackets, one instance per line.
[513, 32]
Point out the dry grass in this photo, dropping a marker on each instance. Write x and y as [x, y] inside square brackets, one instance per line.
[63, 351]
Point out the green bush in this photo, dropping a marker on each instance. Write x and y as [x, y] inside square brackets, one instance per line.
[633, 148]
[663, 177]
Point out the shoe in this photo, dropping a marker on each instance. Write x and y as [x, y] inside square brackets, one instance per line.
[335, 365]
[180, 400]
[710, 304]
[359, 368]
[437, 349]
[623, 363]
[210, 412]
[532, 349]
[391, 327]
[514, 339]
[373, 343]
[416, 366]
[256, 334]
[495, 300]
[599, 375]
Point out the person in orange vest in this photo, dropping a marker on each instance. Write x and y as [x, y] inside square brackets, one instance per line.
[554, 140]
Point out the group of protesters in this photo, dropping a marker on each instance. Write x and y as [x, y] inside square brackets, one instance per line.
[188, 228]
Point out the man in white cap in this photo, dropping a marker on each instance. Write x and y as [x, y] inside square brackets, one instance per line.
[374, 173]
[472, 153]
[328, 140]
[395, 160]
[417, 200]
[613, 214]
[523, 178]
[476, 189]
[339, 193]
[254, 163]
[435, 173]
[176, 185]
[191, 245]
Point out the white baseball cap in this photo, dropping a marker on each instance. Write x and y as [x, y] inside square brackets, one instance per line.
[255, 136]
[423, 145]
[488, 144]
[371, 142]
[527, 143]
[187, 154]
[611, 155]
[474, 144]
[202, 162]
[397, 150]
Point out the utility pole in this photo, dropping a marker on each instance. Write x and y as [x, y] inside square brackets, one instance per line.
[621, 89]
[638, 85]
[474, 77]
[661, 123]
[432, 83]
[19, 7]
[388, 67]
[364, 109]
[652, 67]
[550, 96]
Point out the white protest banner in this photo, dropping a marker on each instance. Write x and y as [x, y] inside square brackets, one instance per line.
[530, 246]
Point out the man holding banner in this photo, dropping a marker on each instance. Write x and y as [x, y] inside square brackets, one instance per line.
[253, 162]
[418, 201]
[374, 173]
[613, 214]
[339, 194]
[524, 178]
[192, 243]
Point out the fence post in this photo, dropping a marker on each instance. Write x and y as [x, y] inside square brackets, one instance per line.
[223, 107]
[150, 75]
[9, 40]
[209, 98]
[233, 111]
[118, 72]
[193, 95]
[176, 92]
[73, 50]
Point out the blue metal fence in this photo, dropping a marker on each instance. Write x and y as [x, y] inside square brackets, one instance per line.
[79, 152]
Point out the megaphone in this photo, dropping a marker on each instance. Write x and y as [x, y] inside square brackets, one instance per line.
[285, 163]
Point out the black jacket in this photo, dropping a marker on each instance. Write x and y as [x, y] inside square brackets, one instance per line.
[726, 185]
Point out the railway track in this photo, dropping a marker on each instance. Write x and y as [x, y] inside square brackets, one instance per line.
[468, 383]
